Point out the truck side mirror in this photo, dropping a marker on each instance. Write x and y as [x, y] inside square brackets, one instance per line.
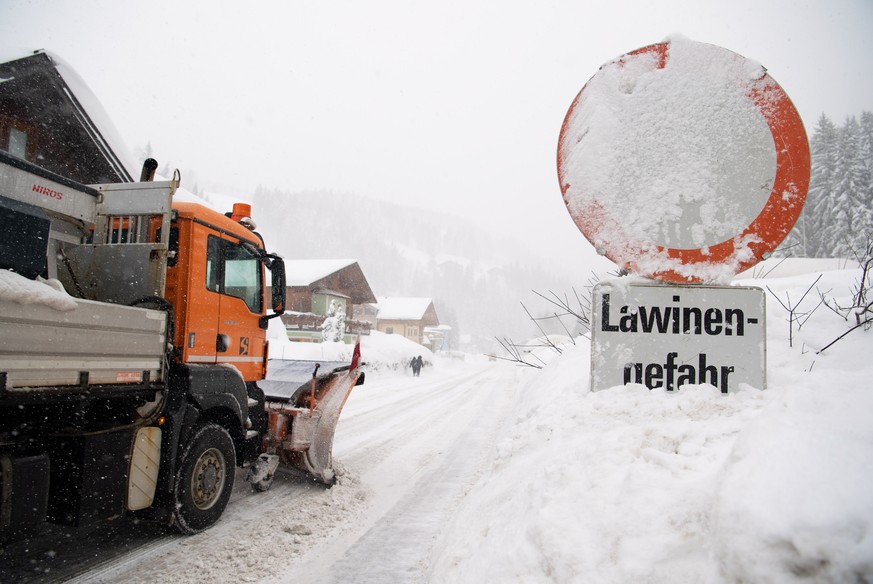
[276, 265]
[277, 271]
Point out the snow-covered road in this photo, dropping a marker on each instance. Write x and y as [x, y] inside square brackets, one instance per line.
[416, 445]
[407, 450]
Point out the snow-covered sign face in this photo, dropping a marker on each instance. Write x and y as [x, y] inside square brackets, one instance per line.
[683, 161]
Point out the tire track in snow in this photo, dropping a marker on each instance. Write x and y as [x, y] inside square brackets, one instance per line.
[364, 441]
[417, 486]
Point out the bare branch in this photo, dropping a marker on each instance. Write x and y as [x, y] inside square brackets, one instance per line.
[545, 335]
[857, 326]
[515, 355]
[811, 286]
[801, 320]
[768, 272]
[570, 336]
[793, 315]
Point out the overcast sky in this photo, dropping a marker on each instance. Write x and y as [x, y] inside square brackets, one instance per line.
[443, 105]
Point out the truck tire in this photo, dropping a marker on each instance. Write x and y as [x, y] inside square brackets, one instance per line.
[205, 479]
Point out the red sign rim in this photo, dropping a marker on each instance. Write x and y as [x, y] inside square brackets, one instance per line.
[761, 236]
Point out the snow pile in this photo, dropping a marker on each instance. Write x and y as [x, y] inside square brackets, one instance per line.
[379, 351]
[782, 267]
[628, 484]
[382, 352]
[21, 290]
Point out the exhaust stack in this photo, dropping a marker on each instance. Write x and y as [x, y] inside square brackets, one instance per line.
[149, 166]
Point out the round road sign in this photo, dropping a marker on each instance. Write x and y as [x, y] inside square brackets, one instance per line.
[683, 162]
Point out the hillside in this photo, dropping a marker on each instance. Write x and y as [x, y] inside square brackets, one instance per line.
[476, 279]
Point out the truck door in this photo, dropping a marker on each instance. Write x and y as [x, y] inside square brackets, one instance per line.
[202, 295]
[240, 340]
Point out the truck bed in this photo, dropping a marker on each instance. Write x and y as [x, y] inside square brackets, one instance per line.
[95, 343]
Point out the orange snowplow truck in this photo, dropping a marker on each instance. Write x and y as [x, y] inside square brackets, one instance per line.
[133, 357]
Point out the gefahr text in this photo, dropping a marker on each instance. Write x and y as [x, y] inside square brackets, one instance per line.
[672, 375]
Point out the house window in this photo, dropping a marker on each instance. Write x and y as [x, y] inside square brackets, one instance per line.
[17, 143]
[389, 330]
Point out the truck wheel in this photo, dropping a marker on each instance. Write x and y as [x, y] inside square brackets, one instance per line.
[205, 479]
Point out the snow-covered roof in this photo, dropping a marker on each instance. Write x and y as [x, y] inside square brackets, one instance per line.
[306, 272]
[86, 110]
[99, 117]
[402, 308]
[438, 328]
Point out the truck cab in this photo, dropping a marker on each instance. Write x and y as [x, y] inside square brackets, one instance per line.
[215, 281]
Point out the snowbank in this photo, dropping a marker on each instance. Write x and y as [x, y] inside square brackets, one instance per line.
[778, 267]
[630, 485]
[379, 352]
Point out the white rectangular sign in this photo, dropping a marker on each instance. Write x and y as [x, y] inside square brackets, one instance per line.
[667, 336]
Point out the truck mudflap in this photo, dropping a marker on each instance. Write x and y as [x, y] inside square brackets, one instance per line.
[302, 417]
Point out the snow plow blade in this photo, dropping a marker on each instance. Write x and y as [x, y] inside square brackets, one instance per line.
[302, 417]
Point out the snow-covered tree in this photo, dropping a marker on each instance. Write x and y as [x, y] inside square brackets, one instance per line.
[334, 326]
[340, 323]
[143, 152]
[838, 214]
[818, 199]
[850, 218]
[866, 155]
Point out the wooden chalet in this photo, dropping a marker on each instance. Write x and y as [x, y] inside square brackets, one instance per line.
[408, 317]
[311, 287]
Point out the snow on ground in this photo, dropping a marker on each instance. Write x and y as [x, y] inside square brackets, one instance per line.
[379, 351]
[406, 452]
[481, 472]
[630, 485]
